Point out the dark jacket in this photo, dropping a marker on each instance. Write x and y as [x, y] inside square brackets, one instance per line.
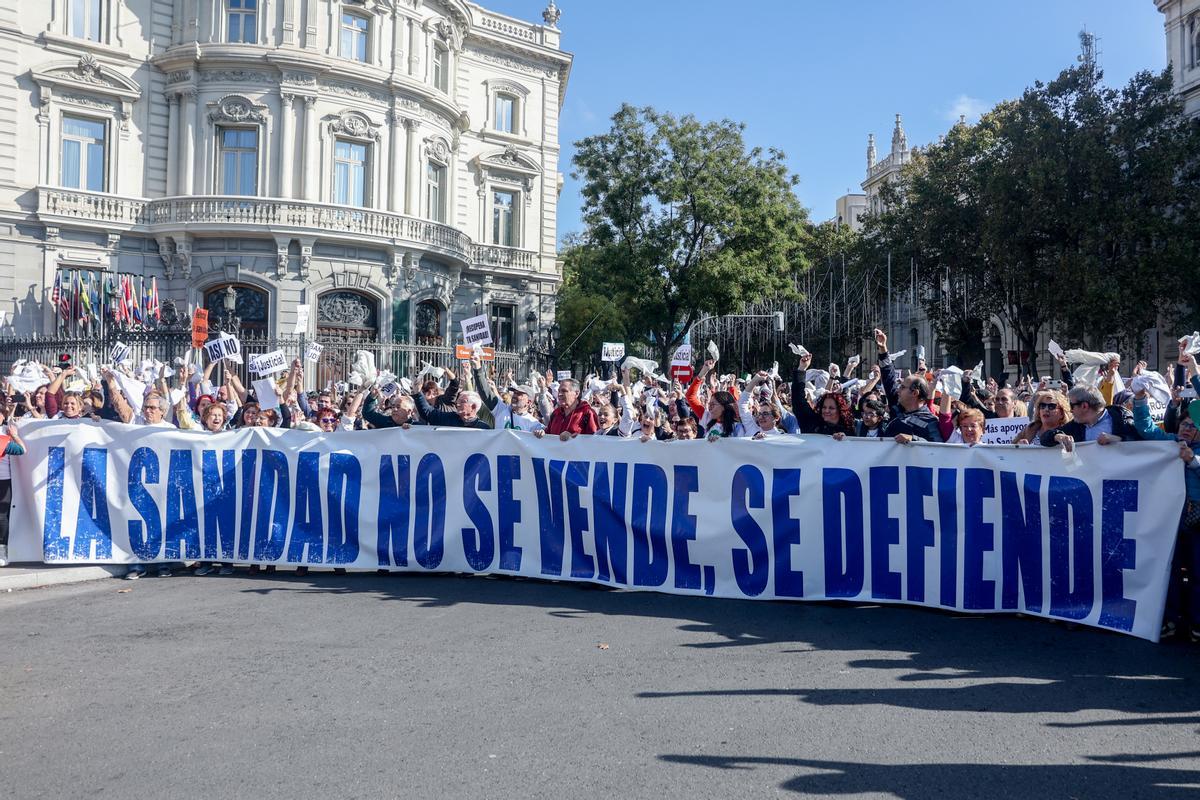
[807, 418]
[970, 398]
[1122, 425]
[445, 419]
[381, 420]
[920, 424]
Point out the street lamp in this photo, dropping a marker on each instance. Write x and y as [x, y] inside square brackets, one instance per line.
[229, 321]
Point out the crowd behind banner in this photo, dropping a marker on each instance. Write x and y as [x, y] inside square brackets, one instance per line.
[1088, 400]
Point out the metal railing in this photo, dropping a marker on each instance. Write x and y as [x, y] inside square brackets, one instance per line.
[222, 211]
[337, 359]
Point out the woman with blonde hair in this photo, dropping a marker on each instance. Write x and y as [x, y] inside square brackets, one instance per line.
[1051, 410]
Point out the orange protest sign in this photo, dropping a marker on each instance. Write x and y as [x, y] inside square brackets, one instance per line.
[463, 352]
[199, 327]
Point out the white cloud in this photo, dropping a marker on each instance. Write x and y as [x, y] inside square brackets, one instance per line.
[965, 105]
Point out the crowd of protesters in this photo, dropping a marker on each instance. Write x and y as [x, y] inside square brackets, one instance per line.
[1087, 401]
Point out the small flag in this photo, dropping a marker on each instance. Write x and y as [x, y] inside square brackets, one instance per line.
[155, 310]
[135, 302]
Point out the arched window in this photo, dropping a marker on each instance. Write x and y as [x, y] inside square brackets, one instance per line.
[427, 324]
[347, 315]
[250, 307]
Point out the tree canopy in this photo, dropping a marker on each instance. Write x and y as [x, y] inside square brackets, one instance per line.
[682, 220]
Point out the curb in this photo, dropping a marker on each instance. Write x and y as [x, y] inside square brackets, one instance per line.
[57, 576]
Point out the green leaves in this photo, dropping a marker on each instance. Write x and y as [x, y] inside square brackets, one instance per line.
[682, 220]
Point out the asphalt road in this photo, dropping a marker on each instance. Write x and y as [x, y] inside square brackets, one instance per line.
[362, 686]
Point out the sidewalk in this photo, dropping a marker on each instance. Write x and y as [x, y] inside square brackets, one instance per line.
[33, 575]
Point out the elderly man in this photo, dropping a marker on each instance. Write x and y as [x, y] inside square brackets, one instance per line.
[464, 415]
[909, 399]
[401, 414]
[1094, 421]
[571, 417]
[517, 412]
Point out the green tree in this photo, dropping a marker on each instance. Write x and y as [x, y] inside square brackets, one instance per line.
[1074, 205]
[683, 220]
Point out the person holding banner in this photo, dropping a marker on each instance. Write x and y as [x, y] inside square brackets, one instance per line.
[10, 445]
[1093, 422]
[570, 417]
[514, 414]
[834, 417]
[465, 414]
[1051, 410]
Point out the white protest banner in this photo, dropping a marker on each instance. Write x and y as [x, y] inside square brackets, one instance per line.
[1004, 430]
[612, 351]
[224, 346]
[268, 363]
[118, 354]
[264, 391]
[475, 330]
[981, 529]
[682, 357]
[302, 313]
[312, 352]
[562, 375]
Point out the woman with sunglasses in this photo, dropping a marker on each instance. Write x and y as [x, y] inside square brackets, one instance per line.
[1051, 410]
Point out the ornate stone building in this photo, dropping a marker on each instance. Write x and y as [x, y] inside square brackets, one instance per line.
[391, 163]
[1181, 20]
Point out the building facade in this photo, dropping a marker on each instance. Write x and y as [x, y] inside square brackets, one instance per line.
[1181, 21]
[850, 209]
[393, 164]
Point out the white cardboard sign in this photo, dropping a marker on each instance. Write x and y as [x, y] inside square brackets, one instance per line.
[476, 330]
[612, 351]
[302, 313]
[120, 352]
[682, 357]
[563, 374]
[264, 390]
[269, 363]
[1003, 430]
[224, 346]
[312, 352]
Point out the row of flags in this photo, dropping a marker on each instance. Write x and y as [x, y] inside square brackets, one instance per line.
[87, 299]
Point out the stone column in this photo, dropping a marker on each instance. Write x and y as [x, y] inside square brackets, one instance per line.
[310, 158]
[172, 143]
[395, 173]
[187, 149]
[412, 172]
[287, 144]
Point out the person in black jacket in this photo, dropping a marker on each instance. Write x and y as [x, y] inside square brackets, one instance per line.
[1093, 421]
[908, 399]
[465, 415]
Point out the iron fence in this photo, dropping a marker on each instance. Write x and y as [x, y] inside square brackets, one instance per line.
[336, 361]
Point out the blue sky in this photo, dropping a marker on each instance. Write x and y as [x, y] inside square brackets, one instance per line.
[813, 77]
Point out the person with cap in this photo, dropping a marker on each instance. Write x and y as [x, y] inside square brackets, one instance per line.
[516, 414]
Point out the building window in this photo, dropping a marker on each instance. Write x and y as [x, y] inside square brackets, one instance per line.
[441, 68]
[350, 173]
[506, 113]
[241, 21]
[238, 160]
[504, 206]
[83, 153]
[427, 324]
[85, 19]
[435, 182]
[503, 318]
[355, 29]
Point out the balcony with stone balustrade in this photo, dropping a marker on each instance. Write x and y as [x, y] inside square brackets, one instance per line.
[236, 215]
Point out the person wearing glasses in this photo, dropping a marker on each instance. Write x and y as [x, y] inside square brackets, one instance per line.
[1093, 421]
[908, 399]
[1051, 410]
[685, 429]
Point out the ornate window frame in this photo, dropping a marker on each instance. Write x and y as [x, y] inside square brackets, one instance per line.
[374, 11]
[237, 111]
[520, 95]
[507, 170]
[447, 35]
[438, 150]
[58, 29]
[356, 126]
[261, 13]
[82, 87]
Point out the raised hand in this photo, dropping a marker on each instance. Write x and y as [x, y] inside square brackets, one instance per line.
[880, 340]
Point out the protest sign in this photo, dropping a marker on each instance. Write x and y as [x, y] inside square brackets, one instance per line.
[264, 391]
[682, 356]
[118, 354]
[302, 313]
[312, 352]
[1003, 430]
[475, 330]
[464, 352]
[982, 529]
[199, 327]
[224, 346]
[612, 351]
[563, 374]
[268, 363]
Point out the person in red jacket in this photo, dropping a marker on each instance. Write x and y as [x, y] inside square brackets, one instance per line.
[571, 417]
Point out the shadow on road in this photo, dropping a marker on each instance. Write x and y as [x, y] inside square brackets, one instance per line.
[1005, 664]
[963, 781]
